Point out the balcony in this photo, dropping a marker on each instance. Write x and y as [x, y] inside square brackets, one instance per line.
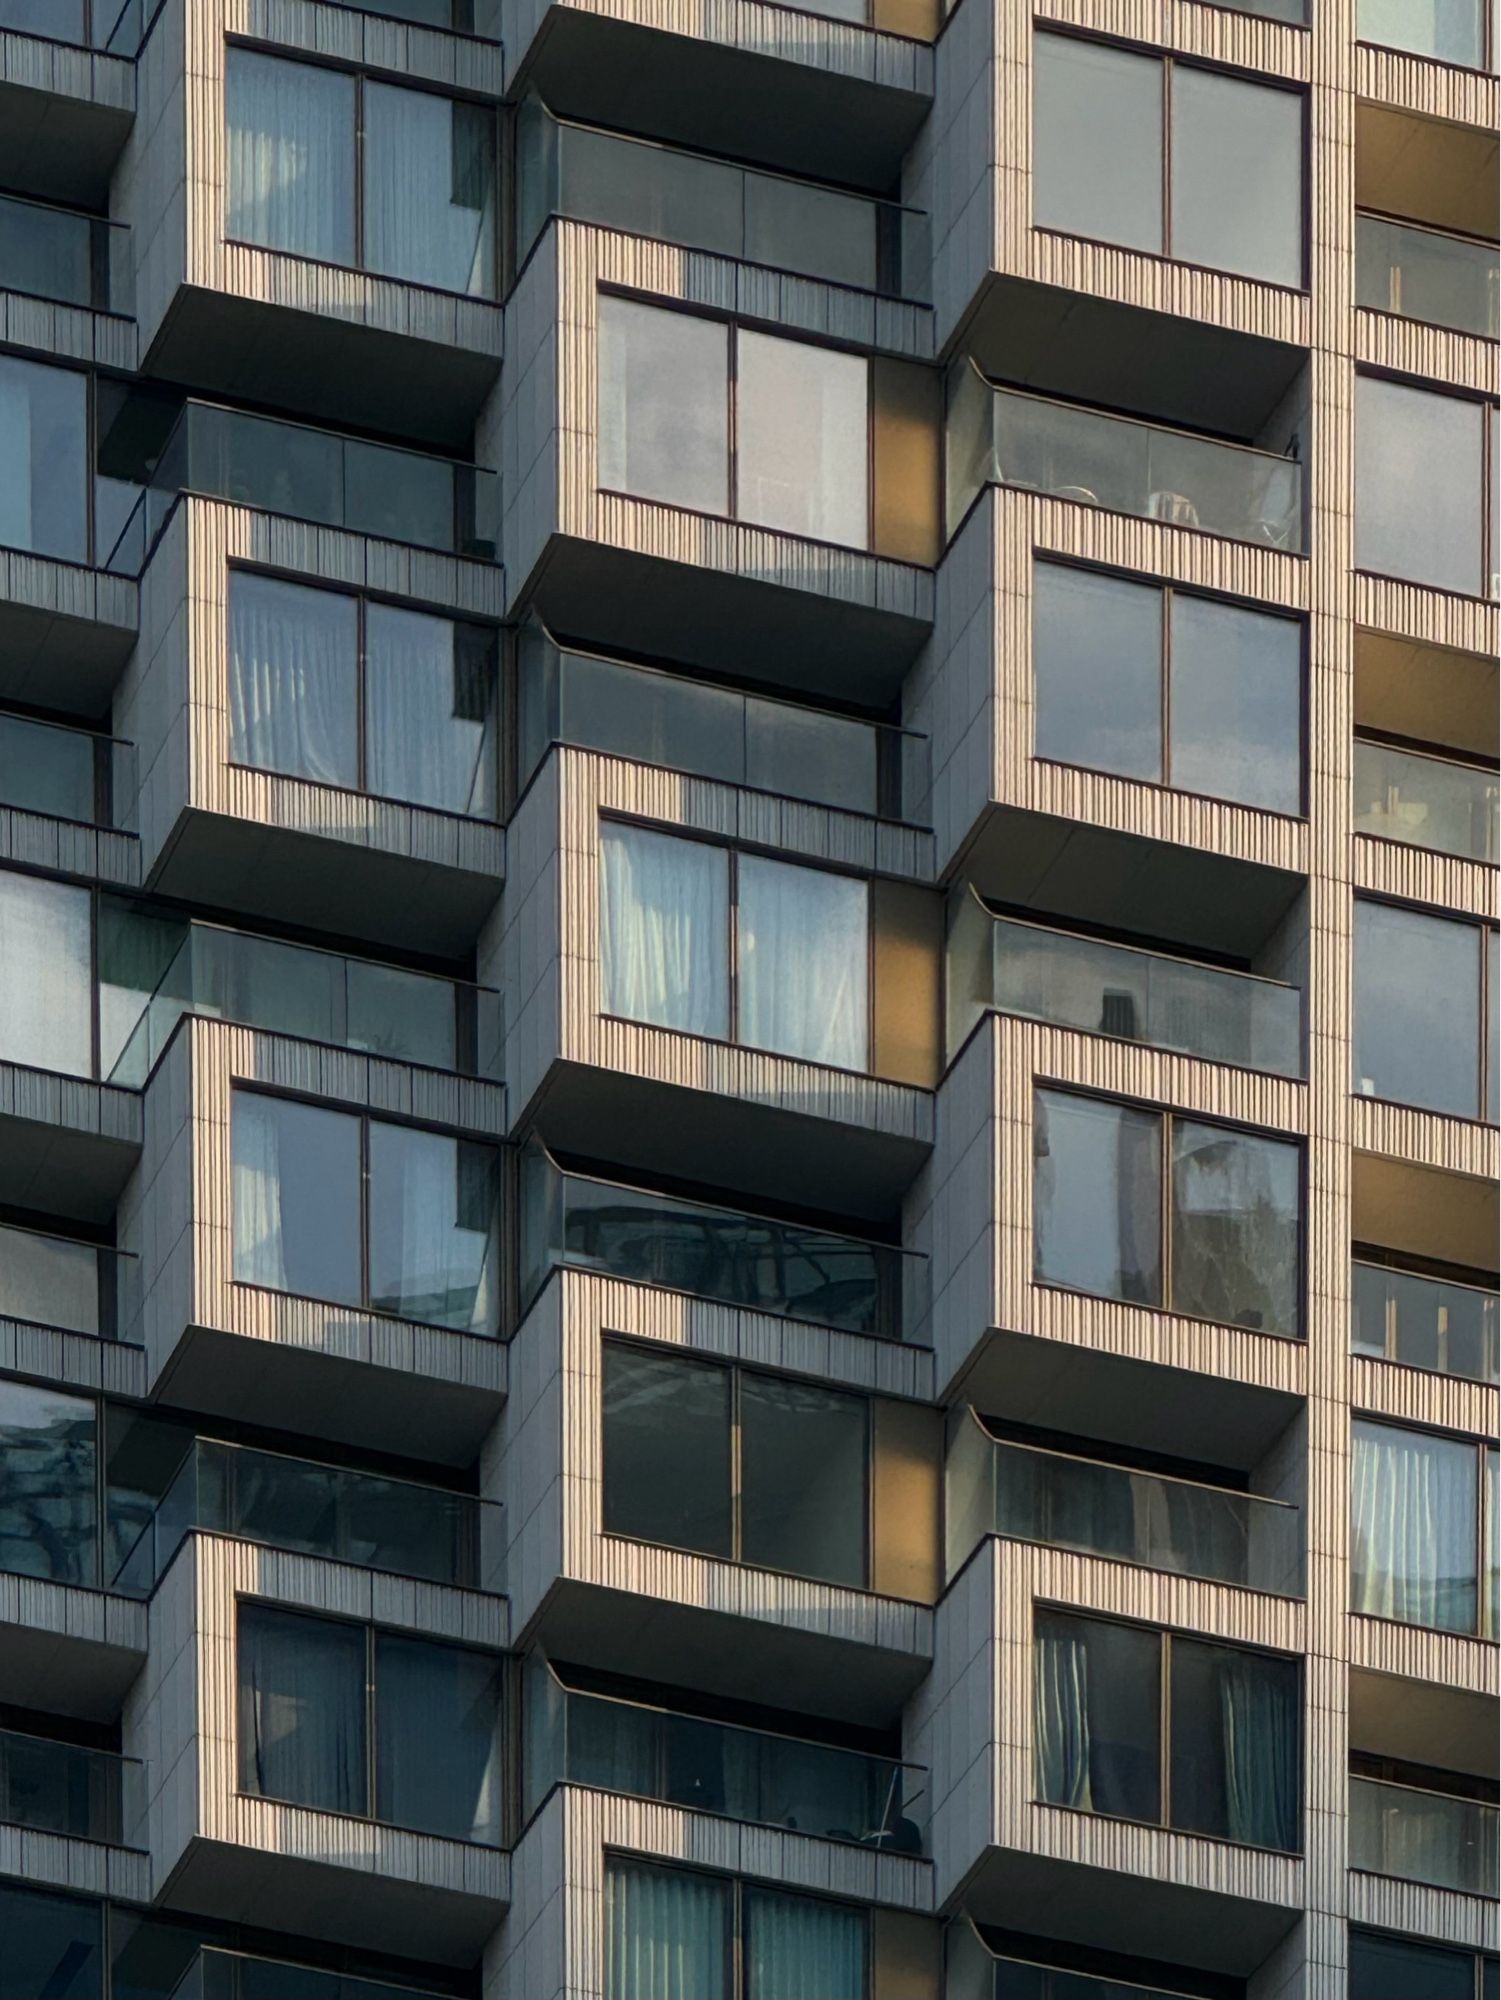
[1451, 34]
[996, 963]
[316, 996]
[1425, 801]
[1003, 437]
[995, 1487]
[744, 1774]
[1426, 275]
[65, 1283]
[55, 253]
[361, 1518]
[1423, 1836]
[1425, 1322]
[975, 1972]
[62, 773]
[236, 1975]
[69, 1789]
[737, 1259]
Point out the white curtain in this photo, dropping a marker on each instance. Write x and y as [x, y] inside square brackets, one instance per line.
[15, 458]
[255, 1191]
[804, 963]
[290, 156]
[429, 190]
[1259, 1718]
[430, 713]
[292, 666]
[801, 1949]
[429, 1258]
[1413, 1506]
[666, 1933]
[664, 930]
[1063, 1735]
[46, 975]
[302, 1710]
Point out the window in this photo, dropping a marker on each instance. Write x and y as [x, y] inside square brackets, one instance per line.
[354, 1211]
[349, 171]
[681, 1936]
[1164, 1210]
[1421, 486]
[347, 692]
[48, 1496]
[44, 505]
[1173, 688]
[1422, 1506]
[46, 975]
[1104, 121]
[1452, 31]
[53, 1945]
[1227, 1763]
[674, 1430]
[343, 1718]
[1420, 1000]
[790, 974]
[1392, 1968]
[726, 421]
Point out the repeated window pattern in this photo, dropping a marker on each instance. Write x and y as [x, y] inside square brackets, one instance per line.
[1425, 486]
[1425, 1010]
[1423, 1513]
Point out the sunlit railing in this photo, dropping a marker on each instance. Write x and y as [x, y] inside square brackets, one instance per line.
[1425, 801]
[56, 253]
[723, 1254]
[1453, 33]
[64, 1282]
[1425, 1322]
[69, 1789]
[64, 773]
[236, 1975]
[1423, 1836]
[996, 1487]
[313, 1509]
[318, 996]
[1425, 275]
[1003, 437]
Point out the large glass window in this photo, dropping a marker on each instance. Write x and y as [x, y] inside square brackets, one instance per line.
[48, 770]
[803, 942]
[48, 1495]
[664, 930]
[49, 1280]
[1452, 31]
[46, 974]
[1419, 1005]
[353, 1211]
[664, 405]
[1105, 118]
[1163, 1210]
[1416, 1501]
[801, 417]
[674, 1429]
[362, 695]
[1227, 1764]
[1166, 686]
[44, 463]
[1393, 1968]
[1420, 479]
[420, 206]
[53, 1945]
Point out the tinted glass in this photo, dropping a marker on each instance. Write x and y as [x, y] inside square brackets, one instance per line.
[432, 1228]
[52, 1946]
[1418, 484]
[667, 1451]
[1235, 1231]
[302, 1709]
[805, 755]
[803, 964]
[797, 227]
[664, 930]
[1451, 30]
[1414, 1513]
[48, 1280]
[293, 666]
[437, 1739]
[46, 770]
[802, 1476]
[430, 717]
[1388, 1968]
[1237, 175]
[1098, 1716]
[1417, 1009]
[650, 190]
[290, 148]
[1236, 703]
[44, 463]
[667, 1933]
[296, 1197]
[663, 405]
[429, 189]
[48, 1502]
[653, 718]
[1097, 141]
[1235, 1745]
[802, 449]
[797, 1945]
[1097, 657]
[1097, 1196]
[46, 975]
[44, 251]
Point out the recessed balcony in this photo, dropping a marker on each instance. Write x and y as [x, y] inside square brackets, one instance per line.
[1424, 800]
[1458, 34]
[54, 1787]
[1425, 1322]
[217, 1974]
[1423, 1268]
[1419, 1835]
[1427, 275]
[63, 255]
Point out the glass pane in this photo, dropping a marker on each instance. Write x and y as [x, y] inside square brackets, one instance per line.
[802, 439]
[1098, 1719]
[796, 1946]
[260, 462]
[663, 405]
[804, 755]
[1237, 175]
[405, 1015]
[1419, 479]
[1444, 280]
[433, 1251]
[53, 1944]
[48, 1501]
[44, 467]
[290, 145]
[653, 718]
[803, 963]
[796, 227]
[1417, 1009]
[401, 495]
[46, 770]
[296, 1197]
[667, 1450]
[293, 658]
[49, 1281]
[1097, 1197]
[1425, 801]
[667, 1933]
[429, 711]
[1388, 1968]
[1423, 1836]
[1097, 658]
[664, 930]
[802, 1478]
[1235, 1227]
[1451, 30]
[437, 1739]
[302, 1709]
[267, 984]
[1236, 704]
[44, 251]
[46, 975]
[61, 20]
[1096, 141]
[1236, 1732]
[650, 191]
[1413, 1500]
[429, 189]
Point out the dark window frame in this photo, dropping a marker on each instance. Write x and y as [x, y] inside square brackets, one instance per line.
[1488, 1060]
[1487, 1601]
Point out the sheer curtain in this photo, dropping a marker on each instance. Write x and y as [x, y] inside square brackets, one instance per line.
[290, 156]
[797, 1947]
[1259, 1718]
[293, 657]
[664, 930]
[413, 1217]
[666, 1934]
[1062, 1696]
[430, 189]
[430, 712]
[1413, 1507]
[302, 1710]
[804, 963]
[255, 1191]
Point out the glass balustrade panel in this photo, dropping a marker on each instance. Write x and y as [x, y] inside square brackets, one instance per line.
[1422, 1836]
[62, 1788]
[1420, 274]
[1425, 1322]
[1425, 801]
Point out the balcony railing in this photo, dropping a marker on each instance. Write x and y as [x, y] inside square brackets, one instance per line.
[1423, 274]
[236, 1975]
[716, 1767]
[1003, 437]
[741, 739]
[1422, 1836]
[1453, 33]
[312, 475]
[64, 773]
[647, 189]
[995, 1487]
[1425, 801]
[69, 1789]
[55, 253]
[332, 1511]
[1110, 989]
[737, 1259]
[974, 1972]
[1425, 1322]
[318, 996]
[63, 1282]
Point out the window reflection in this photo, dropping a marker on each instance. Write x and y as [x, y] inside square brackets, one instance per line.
[1419, 485]
[48, 1498]
[1417, 1008]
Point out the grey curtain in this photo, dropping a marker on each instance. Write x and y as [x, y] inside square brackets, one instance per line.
[290, 156]
[302, 1710]
[666, 1934]
[797, 1947]
[430, 713]
[1258, 1714]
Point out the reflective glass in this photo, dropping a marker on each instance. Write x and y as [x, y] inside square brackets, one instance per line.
[293, 667]
[296, 1197]
[1097, 1716]
[1097, 1197]
[401, 495]
[430, 721]
[48, 1500]
[405, 1015]
[802, 1477]
[1237, 193]
[290, 145]
[1235, 1227]
[663, 405]
[667, 1451]
[803, 962]
[1419, 484]
[432, 1228]
[652, 718]
[802, 451]
[1236, 1733]
[1097, 141]
[261, 462]
[53, 1945]
[46, 975]
[1417, 1008]
[437, 1739]
[429, 189]
[1389, 1968]
[797, 227]
[1236, 704]
[44, 460]
[650, 190]
[47, 770]
[1425, 801]
[48, 1280]
[806, 755]
[1424, 275]
[302, 1709]
[1097, 657]
[1450, 30]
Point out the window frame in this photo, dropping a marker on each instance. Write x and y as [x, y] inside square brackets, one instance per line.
[1480, 1959]
[1488, 1061]
[1487, 1600]
[1165, 1636]
[359, 75]
[1169, 59]
[737, 1370]
[1489, 513]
